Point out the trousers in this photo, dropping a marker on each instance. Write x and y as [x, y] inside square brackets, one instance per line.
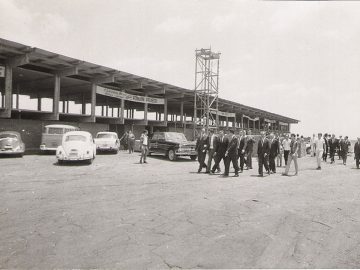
[292, 158]
[263, 162]
[319, 155]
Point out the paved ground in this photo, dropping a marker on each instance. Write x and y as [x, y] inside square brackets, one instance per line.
[116, 213]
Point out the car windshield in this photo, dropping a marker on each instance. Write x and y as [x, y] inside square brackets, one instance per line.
[175, 137]
[106, 136]
[8, 135]
[75, 138]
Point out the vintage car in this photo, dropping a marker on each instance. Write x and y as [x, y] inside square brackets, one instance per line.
[11, 143]
[172, 145]
[76, 146]
[107, 141]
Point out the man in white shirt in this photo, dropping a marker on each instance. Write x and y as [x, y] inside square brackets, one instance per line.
[319, 145]
[211, 149]
[144, 146]
[286, 145]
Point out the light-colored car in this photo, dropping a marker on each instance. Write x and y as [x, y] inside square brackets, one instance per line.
[107, 141]
[76, 146]
[51, 136]
[11, 143]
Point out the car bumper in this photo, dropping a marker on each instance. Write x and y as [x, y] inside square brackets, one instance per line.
[11, 151]
[186, 153]
[44, 148]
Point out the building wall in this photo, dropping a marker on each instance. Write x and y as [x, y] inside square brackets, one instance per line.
[31, 130]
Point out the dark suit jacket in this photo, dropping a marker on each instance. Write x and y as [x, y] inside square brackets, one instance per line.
[249, 145]
[274, 148]
[344, 145]
[201, 144]
[242, 143]
[263, 148]
[357, 150]
[215, 142]
[333, 144]
[221, 147]
[233, 147]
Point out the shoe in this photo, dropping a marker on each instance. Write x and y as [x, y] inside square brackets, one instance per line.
[241, 171]
[261, 175]
[207, 171]
[236, 175]
[141, 162]
[284, 174]
[295, 174]
[268, 172]
[145, 162]
[199, 170]
[212, 172]
[218, 171]
[225, 175]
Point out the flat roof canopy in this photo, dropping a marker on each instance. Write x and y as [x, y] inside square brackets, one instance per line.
[48, 63]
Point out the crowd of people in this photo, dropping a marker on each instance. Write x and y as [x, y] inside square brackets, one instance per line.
[272, 149]
[128, 142]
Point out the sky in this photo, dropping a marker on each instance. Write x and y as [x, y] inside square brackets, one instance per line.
[300, 59]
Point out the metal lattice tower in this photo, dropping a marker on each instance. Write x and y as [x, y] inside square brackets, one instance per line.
[206, 89]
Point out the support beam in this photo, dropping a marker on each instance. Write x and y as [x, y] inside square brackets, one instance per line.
[157, 91]
[67, 71]
[18, 60]
[106, 79]
[170, 96]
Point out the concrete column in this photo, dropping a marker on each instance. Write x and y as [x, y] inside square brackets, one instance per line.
[242, 121]
[122, 109]
[146, 108]
[165, 109]
[39, 102]
[8, 92]
[93, 102]
[227, 121]
[63, 105]
[83, 104]
[56, 97]
[182, 112]
[17, 96]
[67, 104]
[259, 124]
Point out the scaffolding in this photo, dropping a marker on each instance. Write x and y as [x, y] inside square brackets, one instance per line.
[206, 89]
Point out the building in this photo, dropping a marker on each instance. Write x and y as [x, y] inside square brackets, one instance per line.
[62, 89]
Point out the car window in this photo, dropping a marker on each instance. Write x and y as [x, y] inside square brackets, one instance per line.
[106, 136]
[55, 131]
[8, 135]
[75, 138]
[175, 137]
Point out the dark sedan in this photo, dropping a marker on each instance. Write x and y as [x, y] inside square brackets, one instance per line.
[172, 145]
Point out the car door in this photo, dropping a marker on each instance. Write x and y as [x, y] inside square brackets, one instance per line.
[154, 143]
[162, 146]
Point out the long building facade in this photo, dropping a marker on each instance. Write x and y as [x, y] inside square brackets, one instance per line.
[38, 87]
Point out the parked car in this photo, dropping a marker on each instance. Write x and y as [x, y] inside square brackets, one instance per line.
[172, 145]
[76, 146]
[107, 141]
[52, 135]
[11, 143]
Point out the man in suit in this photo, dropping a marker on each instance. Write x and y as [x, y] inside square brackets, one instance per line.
[263, 152]
[357, 152]
[339, 144]
[332, 148]
[201, 147]
[231, 154]
[212, 142]
[274, 151]
[293, 155]
[241, 149]
[326, 147]
[220, 150]
[249, 149]
[345, 145]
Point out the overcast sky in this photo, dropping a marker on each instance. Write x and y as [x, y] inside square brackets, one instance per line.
[299, 59]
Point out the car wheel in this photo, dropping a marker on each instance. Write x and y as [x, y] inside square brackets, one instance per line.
[90, 161]
[172, 155]
[193, 157]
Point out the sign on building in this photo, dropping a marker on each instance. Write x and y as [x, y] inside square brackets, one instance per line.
[251, 119]
[122, 95]
[2, 71]
[225, 114]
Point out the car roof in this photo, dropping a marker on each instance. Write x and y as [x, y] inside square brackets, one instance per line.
[82, 133]
[59, 126]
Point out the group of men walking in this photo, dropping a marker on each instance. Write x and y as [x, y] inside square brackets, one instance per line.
[238, 149]
[329, 145]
